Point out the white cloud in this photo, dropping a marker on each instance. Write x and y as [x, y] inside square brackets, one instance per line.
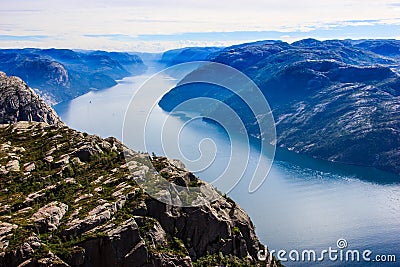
[66, 21]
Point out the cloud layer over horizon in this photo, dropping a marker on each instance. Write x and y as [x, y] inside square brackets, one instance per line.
[157, 25]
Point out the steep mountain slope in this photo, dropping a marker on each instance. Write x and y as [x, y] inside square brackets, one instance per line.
[333, 100]
[63, 74]
[19, 103]
[71, 199]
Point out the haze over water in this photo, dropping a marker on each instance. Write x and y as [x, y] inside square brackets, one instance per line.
[303, 204]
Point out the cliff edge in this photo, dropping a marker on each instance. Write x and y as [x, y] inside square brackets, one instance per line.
[74, 200]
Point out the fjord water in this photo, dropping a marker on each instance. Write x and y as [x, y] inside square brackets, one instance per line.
[303, 204]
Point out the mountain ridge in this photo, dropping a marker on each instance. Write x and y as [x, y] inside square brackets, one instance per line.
[333, 100]
[59, 75]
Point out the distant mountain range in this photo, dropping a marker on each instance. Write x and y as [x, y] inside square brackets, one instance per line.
[62, 74]
[336, 100]
[187, 54]
[333, 100]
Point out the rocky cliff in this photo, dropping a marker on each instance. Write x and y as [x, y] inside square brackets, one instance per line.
[19, 103]
[74, 200]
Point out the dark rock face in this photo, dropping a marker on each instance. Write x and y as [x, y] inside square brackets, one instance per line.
[209, 230]
[122, 247]
[63, 74]
[333, 100]
[125, 247]
[19, 103]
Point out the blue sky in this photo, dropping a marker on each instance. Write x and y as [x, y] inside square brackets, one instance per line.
[157, 25]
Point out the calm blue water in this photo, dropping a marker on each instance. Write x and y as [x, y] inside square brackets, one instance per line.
[303, 204]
